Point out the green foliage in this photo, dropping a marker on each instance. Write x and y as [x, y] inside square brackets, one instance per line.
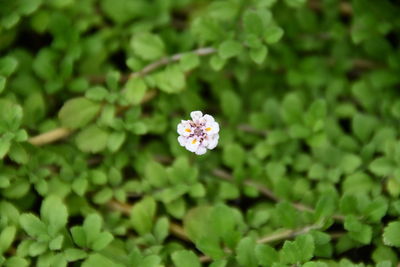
[306, 96]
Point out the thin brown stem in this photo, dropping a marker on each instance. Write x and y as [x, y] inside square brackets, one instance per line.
[50, 136]
[203, 51]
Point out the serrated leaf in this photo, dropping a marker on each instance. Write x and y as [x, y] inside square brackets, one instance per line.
[56, 243]
[266, 255]
[245, 252]
[300, 250]
[78, 112]
[391, 234]
[32, 225]
[184, 258]
[92, 227]
[54, 212]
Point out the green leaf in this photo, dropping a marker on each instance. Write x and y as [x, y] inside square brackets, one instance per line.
[391, 234]
[189, 61]
[80, 184]
[56, 243]
[74, 254]
[171, 80]
[79, 236]
[97, 260]
[37, 248]
[229, 48]
[273, 34]
[349, 163]
[147, 46]
[363, 126]
[358, 231]
[8, 65]
[217, 62]
[259, 54]
[54, 213]
[266, 255]
[156, 174]
[382, 166]
[16, 261]
[231, 105]
[286, 214]
[92, 139]
[295, 3]
[184, 258]
[253, 23]
[161, 229]
[300, 250]
[134, 90]
[4, 147]
[7, 236]
[32, 225]
[18, 154]
[376, 209]
[96, 93]
[92, 227]
[78, 112]
[115, 141]
[102, 240]
[233, 155]
[3, 82]
[245, 252]
[142, 215]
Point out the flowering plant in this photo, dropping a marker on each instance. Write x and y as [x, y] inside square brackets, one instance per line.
[199, 134]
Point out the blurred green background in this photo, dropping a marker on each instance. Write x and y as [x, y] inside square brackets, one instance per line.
[306, 172]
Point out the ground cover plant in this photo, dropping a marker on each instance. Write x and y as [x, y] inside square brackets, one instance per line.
[306, 169]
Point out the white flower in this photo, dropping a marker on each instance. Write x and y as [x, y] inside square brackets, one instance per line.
[199, 134]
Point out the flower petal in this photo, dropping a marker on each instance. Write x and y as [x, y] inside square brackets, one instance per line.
[211, 128]
[182, 140]
[196, 115]
[213, 141]
[184, 128]
[201, 150]
[192, 144]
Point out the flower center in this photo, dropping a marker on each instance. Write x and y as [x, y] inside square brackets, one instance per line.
[198, 131]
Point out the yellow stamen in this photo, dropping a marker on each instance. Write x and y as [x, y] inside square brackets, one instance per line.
[188, 130]
[194, 141]
[208, 129]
